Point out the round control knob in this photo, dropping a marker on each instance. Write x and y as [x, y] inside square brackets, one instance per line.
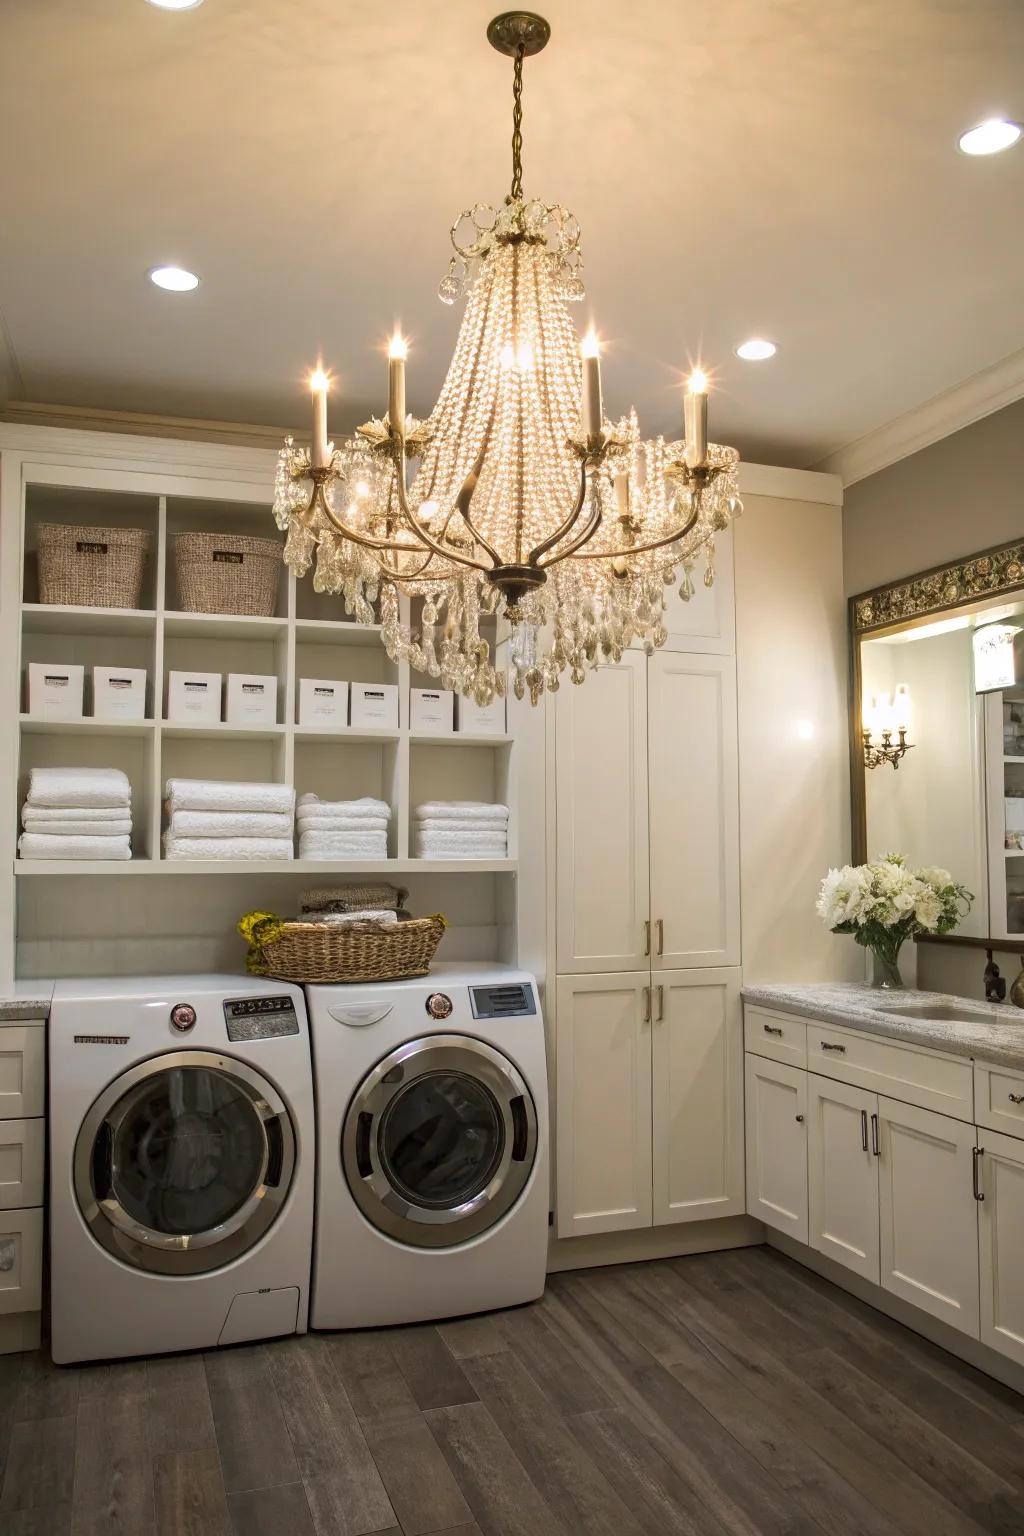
[183, 1018]
[439, 1005]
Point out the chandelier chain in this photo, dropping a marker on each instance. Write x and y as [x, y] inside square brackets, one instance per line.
[517, 125]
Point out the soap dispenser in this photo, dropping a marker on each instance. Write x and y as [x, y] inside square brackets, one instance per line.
[995, 983]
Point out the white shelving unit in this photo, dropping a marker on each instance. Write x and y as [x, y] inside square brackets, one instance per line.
[168, 488]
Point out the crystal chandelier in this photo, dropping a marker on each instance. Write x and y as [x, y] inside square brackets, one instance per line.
[529, 515]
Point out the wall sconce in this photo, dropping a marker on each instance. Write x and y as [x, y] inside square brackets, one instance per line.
[884, 717]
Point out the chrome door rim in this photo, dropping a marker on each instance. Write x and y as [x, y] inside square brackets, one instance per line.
[167, 1253]
[383, 1206]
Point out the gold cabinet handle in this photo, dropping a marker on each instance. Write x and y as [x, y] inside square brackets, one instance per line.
[659, 1016]
[647, 936]
[660, 926]
[647, 1005]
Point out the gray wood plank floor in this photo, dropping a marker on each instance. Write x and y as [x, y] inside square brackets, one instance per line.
[728, 1393]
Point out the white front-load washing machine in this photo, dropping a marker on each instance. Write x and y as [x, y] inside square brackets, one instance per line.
[432, 1146]
[181, 1164]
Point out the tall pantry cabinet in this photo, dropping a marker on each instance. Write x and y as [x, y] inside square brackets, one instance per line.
[648, 1026]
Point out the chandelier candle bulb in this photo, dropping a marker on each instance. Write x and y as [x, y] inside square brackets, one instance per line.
[621, 483]
[319, 384]
[397, 353]
[695, 420]
[593, 406]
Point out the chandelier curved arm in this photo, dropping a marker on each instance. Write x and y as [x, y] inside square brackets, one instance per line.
[642, 549]
[367, 540]
[414, 523]
[566, 527]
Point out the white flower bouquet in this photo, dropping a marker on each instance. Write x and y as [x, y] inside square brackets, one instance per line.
[885, 903]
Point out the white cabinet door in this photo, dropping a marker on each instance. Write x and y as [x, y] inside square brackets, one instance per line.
[707, 622]
[603, 1103]
[929, 1216]
[776, 1107]
[1001, 1214]
[698, 1096]
[603, 906]
[842, 1175]
[694, 809]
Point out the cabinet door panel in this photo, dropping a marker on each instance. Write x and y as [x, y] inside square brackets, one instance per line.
[601, 810]
[707, 622]
[603, 1104]
[698, 1096]
[1001, 1215]
[776, 1109]
[842, 1176]
[929, 1217]
[694, 810]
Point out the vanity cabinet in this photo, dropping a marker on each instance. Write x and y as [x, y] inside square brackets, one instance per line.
[1001, 1218]
[649, 1124]
[842, 1175]
[776, 1111]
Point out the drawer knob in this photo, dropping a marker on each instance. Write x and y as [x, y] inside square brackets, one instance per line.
[827, 1045]
[1016, 1098]
[799, 1119]
[771, 1029]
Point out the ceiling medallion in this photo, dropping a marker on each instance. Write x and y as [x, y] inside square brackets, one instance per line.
[530, 515]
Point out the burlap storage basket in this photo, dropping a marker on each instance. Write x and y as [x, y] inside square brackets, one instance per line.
[88, 567]
[227, 573]
[310, 951]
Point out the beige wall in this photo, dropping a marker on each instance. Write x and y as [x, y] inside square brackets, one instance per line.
[958, 496]
[794, 792]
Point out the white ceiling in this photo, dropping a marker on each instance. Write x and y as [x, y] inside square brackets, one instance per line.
[782, 167]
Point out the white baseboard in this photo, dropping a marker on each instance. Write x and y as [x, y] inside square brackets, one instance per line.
[653, 1243]
[960, 1344]
[18, 1331]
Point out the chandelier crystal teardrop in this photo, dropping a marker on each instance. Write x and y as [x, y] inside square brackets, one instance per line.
[530, 519]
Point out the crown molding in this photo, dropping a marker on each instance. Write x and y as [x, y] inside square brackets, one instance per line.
[944, 414]
[23, 413]
[790, 484]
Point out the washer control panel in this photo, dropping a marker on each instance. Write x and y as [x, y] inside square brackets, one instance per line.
[260, 1018]
[507, 1000]
[183, 1018]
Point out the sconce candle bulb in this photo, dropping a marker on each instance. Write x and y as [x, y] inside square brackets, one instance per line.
[885, 717]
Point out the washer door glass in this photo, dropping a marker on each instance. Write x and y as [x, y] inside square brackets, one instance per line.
[439, 1141]
[184, 1162]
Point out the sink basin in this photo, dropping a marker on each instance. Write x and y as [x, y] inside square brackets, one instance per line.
[944, 1013]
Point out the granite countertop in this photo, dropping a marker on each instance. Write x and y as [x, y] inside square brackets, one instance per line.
[996, 1035]
[25, 1000]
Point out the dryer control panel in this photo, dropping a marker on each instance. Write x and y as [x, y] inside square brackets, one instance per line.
[506, 1000]
[260, 1018]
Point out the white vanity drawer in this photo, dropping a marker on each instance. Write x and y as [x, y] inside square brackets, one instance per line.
[22, 1144]
[779, 1036]
[22, 1070]
[21, 1260]
[913, 1074]
[999, 1098]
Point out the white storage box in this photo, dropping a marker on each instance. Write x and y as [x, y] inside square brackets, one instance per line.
[480, 719]
[193, 698]
[323, 701]
[432, 710]
[251, 699]
[374, 705]
[119, 693]
[55, 692]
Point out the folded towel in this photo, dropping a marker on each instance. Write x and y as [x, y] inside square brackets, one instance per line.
[343, 919]
[365, 807]
[227, 847]
[460, 810]
[119, 826]
[43, 817]
[461, 839]
[38, 845]
[343, 845]
[230, 824]
[309, 823]
[220, 795]
[78, 787]
[460, 853]
[484, 828]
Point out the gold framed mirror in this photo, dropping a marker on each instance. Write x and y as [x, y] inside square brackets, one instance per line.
[937, 731]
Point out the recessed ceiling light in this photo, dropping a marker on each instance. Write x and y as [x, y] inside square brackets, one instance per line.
[989, 137]
[176, 5]
[175, 279]
[756, 350]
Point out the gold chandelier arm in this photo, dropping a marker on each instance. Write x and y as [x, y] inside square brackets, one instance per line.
[642, 549]
[417, 527]
[566, 527]
[366, 539]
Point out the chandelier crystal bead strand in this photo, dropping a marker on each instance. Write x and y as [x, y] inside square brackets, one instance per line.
[529, 514]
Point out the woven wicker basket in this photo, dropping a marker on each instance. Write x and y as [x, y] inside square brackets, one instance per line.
[359, 952]
[88, 567]
[227, 573]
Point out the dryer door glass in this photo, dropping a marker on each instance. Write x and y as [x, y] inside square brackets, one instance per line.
[184, 1162]
[439, 1141]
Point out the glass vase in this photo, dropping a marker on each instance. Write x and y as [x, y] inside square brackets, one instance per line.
[885, 970]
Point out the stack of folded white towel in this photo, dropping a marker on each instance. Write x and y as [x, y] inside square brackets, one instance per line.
[460, 829]
[342, 829]
[77, 813]
[215, 819]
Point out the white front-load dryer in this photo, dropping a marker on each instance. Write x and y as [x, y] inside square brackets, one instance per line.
[181, 1164]
[432, 1147]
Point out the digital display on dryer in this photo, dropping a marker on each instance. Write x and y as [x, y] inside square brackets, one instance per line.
[507, 1001]
[260, 1018]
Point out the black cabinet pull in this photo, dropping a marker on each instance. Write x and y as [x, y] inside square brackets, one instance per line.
[773, 1029]
[1016, 1098]
[827, 1045]
[864, 1130]
[977, 1153]
[874, 1135]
